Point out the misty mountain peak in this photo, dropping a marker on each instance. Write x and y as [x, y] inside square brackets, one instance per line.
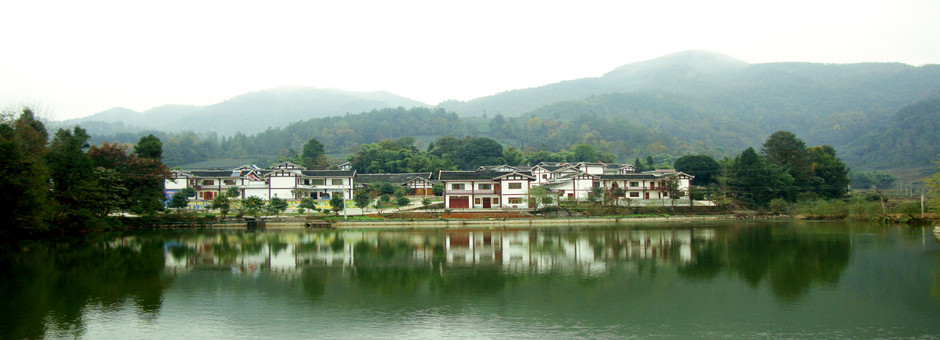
[702, 61]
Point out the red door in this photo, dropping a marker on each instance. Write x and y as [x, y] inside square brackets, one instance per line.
[459, 202]
[486, 203]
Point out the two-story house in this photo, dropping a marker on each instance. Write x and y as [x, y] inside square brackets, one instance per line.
[485, 189]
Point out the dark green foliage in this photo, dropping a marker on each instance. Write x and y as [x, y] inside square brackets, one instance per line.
[830, 175]
[362, 198]
[149, 146]
[275, 206]
[402, 201]
[396, 156]
[313, 156]
[909, 138]
[785, 150]
[180, 199]
[704, 168]
[337, 202]
[871, 179]
[252, 205]
[307, 203]
[479, 151]
[23, 202]
[755, 182]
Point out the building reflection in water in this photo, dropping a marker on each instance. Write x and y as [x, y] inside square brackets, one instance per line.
[531, 251]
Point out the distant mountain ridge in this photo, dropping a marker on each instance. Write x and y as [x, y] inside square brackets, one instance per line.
[248, 113]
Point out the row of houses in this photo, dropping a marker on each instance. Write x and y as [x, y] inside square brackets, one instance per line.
[485, 188]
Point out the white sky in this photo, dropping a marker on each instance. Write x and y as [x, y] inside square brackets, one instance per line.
[76, 58]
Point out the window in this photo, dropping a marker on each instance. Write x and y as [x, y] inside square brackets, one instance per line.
[634, 194]
[597, 184]
[230, 182]
[306, 182]
[485, 186]
[208, 182]
[515, 200]
[336, 181]
[495, 200]
[477, 201]
[457, 186]
[634, 184]
[515, 186]
[318, 181]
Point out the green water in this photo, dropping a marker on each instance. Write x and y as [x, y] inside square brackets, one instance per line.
[718, 280]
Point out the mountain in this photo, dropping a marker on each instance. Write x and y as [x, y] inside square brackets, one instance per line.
[247, 113]
[909, 139]
[678, 72]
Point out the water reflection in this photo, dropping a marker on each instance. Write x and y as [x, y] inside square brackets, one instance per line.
[47, 287]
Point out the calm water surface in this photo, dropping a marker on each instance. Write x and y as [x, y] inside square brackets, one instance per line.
[724, 280]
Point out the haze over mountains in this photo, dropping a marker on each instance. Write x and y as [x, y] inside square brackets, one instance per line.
[692, 101]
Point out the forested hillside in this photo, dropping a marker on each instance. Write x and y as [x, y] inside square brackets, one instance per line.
[687, 103]
[248, 113]
[910, 138]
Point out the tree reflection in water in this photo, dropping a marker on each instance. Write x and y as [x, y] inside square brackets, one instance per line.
[47, 286]
[790, 261]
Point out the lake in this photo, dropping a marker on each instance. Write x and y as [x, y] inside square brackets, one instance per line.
[685, 280]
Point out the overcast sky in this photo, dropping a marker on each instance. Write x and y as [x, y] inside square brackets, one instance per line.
[76, 58]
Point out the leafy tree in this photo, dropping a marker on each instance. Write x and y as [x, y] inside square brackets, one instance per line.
[71, 170]
[275, 206]
[438, 189]
[23, 184]
[425, 202]
[252, 205]
[180, 199]
[704, 168]
[514, 156]
[313, 156]
[143, 177]
[149, 146]
[788, 152]
[307, 203]
[673, 190]
[402, 202]
[479, 151]
[222, 203]
[871, 179]
[233, 192]
[596, 194]
[829, 173]
[362, 199]
[337, 202]
[756, 183]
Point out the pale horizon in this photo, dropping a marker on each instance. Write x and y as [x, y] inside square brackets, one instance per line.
[72, 60]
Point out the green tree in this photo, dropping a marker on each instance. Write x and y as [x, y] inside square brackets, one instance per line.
[149, 146]
[23, 183]
[402, 202]
[755, 182]
[337, 202]
[788, 152]
[275, 206]
[479, 151]
[831, 176]
[307, 203]
[362, 199]
[180, 199]
[252, 205]
[704, 168]
[313, 156]
[222, 203]
[71, 171]
[673, 190]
